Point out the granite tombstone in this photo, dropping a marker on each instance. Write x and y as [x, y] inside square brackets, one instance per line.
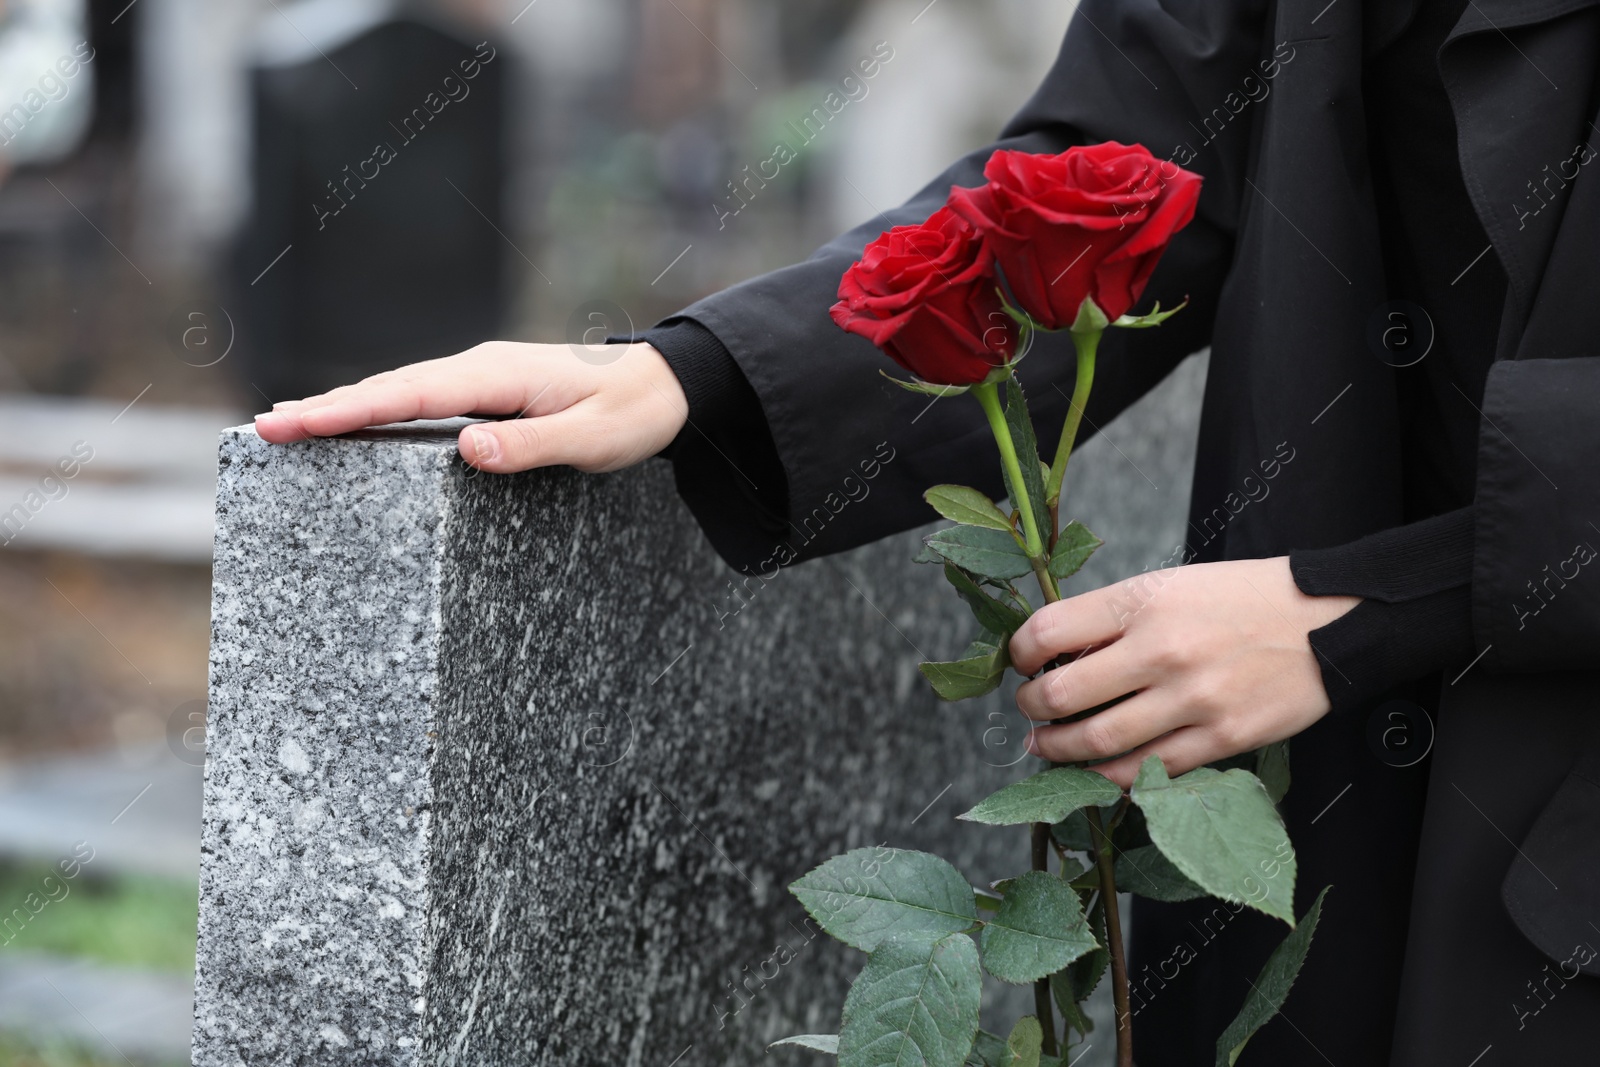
[513, 770]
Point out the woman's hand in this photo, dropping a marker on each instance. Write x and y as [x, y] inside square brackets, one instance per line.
[584, 413]
[1215, 655]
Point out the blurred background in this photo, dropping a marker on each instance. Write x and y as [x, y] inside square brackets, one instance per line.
[210, 205]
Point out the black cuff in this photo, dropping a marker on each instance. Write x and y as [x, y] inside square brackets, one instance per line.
[1374, 647]
[1416, 612]
[716, 388]
[1395, 565]
[725, 462]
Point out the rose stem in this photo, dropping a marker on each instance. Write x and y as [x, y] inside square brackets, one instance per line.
[988, 396]
[1041, 987]
[1041, 852]
[1119, 966]
[1086, 343]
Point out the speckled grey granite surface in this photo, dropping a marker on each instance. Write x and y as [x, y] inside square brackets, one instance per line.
[505, 771]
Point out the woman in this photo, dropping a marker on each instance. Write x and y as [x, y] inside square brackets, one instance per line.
[1420, 169]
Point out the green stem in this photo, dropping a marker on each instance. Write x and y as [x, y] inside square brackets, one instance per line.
[988, 396]
[1041, 988]
[1087, 343]
[1047, 581]
[1101, 840]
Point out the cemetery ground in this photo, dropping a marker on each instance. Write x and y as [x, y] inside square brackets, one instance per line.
[95, 655]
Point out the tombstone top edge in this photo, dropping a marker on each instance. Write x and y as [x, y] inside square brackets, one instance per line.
[429, 433]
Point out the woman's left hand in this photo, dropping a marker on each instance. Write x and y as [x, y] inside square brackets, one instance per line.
[1215, 655]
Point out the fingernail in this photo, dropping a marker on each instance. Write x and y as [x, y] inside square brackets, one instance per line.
[483, 445]
[280, 405]
[266, 415]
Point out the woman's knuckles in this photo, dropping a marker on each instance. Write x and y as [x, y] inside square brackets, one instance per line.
[1229, 736]
[1058, 689]
[1209, 695]
[1035, 642]
[1031, 700]
[1100, 737]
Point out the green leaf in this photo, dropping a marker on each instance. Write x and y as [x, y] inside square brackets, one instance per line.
[1038, 930]
[985, 644]
[1028, 460]
[1146, 872]
[988, 1050]
[1223, 832]
[965, 678]
[1072, 1012]
[1271, 988]
[993, 615]
[915, 1002]
[989, 553]
[1073, 833]
[1074, 546]
[1024, 1044]
[963, 504]
[927, 555]
[1006, 592]
[916, 385]
[869, 895]
[1073, 868]
[1079, 981]
[1155, 317]
[828, 1043]
[1272, 767]
[1048, 796]
[1086, 880]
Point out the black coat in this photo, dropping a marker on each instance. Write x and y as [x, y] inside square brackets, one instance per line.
[1437, 935]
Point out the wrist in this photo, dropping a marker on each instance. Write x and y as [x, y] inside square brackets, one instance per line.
[1308, 611]
[660, 389]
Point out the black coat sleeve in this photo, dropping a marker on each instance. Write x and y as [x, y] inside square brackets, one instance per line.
[1512, 582]
[854, 453]
[1535, 573]
[1415, 616]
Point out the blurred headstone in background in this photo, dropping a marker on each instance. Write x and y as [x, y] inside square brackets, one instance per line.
[377, 235]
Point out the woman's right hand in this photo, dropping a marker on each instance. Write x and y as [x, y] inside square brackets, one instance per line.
[594, 413]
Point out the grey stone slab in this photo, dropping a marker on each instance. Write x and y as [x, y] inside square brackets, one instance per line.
[138, 808]
[1130, 483]
[514, 770]
[499, 773]
[170, 522]
[143, 439]
[125, 1013]
[144, 490]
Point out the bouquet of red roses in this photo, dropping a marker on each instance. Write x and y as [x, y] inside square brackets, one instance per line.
[1064, 242]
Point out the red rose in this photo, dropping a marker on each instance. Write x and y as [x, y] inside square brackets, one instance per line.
[1091, 221]
[926, 295]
